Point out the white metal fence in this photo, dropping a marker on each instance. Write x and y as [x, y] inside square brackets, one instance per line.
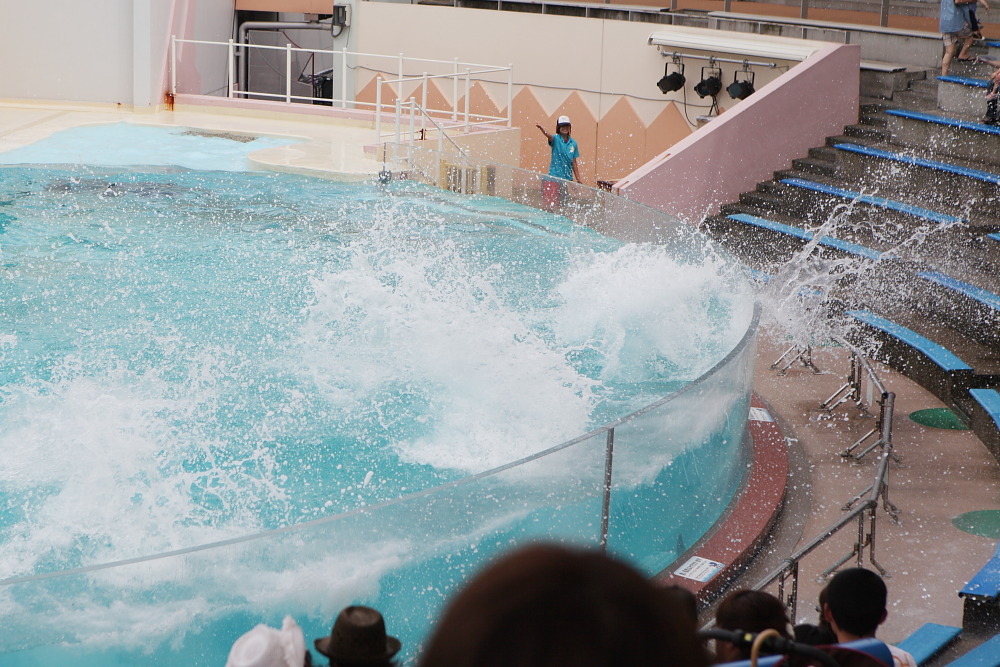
[407, 84]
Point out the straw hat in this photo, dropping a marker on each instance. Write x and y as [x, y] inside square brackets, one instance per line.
[358, 637]
[265, 646]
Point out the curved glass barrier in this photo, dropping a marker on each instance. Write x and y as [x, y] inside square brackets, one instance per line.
[407, 556]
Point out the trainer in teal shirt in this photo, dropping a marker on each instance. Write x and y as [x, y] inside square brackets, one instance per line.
[565, 150]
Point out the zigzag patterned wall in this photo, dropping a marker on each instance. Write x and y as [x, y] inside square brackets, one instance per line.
[611, 146]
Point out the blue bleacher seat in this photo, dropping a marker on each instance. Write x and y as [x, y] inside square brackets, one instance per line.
[995, 237]
[989, 399]
[873, 647]
[945, 120]
[798, 232]
[939, 354]
[986, 654]
[937, 165]
[881, 202]
[986, 582]
[979, 294]
[965, 81]
[928, 640]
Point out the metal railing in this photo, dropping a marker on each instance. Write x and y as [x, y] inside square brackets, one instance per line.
[461, 75]
[862, 509]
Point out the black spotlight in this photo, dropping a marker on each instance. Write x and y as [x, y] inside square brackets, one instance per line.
[672, 81]
[711, 82]
[740, 90]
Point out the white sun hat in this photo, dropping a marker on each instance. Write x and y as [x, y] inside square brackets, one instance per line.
[563, 120]
[264, 646]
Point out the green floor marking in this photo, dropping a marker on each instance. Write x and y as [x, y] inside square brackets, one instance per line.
[939, 418]
[984, 523]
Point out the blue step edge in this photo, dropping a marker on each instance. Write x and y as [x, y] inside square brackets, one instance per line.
[981, 295]
[797, 232]
[881, 202]
[965, 81]
[928, 640]
[939, 354]
[944, 120]
[990, 400]
[977, 174]
[995, 237]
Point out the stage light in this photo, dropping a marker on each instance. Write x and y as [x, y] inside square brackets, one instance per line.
[711, 82]
[671, 81]
[741, 89]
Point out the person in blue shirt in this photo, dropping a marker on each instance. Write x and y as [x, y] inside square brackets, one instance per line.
[565, 152]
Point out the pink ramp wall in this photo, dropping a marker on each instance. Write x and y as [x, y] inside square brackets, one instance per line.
[748, 142]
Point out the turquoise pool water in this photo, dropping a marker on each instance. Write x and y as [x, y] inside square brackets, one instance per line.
[192, 355]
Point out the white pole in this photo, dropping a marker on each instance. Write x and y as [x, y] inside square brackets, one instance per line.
[454, 92]
[423, 105]
[467, 96]
[413, 110]
[173, 64]
[510, 95]
[343, 78]
[378, 109]
[231, 65]
[288, 73]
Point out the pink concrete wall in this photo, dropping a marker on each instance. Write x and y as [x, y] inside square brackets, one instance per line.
[750, 141]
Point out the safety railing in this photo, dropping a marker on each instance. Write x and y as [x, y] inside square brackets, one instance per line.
[460, 75]
[864, 387]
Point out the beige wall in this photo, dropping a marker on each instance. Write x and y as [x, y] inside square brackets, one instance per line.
[602, 73]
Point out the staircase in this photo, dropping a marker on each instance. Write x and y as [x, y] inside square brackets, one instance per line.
[896, 224]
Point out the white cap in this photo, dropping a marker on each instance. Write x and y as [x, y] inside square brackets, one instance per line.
[563, 120]
[265, 646]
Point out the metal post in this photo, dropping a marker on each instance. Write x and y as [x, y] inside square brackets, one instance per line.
[343, 78]
[423, 105]
[231, 68]
[378, 109]
[454, 92]
[606, 507]
[467, 96]
[510, 95]
[399, 121]
[884, 14]
[804, 12]
[173, 64]
[413, 110]
[288, 73]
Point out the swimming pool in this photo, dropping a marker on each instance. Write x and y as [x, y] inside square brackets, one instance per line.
[227, 397]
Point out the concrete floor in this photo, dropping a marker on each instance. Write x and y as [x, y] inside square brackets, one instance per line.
[942, 474]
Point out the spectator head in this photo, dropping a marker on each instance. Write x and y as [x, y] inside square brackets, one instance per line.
[547, 605]
[750, 611]
[264, 646]
[358, 637]
[855, 603]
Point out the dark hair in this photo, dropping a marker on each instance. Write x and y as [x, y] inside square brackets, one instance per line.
[752, 611]
[546, 605]
[856, 598]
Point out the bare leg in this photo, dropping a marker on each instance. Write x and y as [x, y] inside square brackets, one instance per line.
[964, 54]
[949, 53]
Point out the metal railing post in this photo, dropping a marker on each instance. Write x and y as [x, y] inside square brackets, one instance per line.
[413, 134]
[454, 92]
[399, 121]
[378, 109]
[288, 73]
[231, 68]
[423, 106]
[510, 95]
[606, 506]
[467, 96]
[343, 78]
[173, 64]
